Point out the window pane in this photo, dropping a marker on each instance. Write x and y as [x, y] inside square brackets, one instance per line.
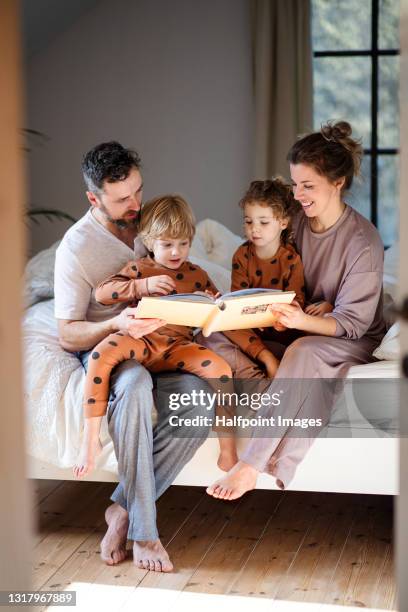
[341, 24]
[359, 196]
[388, 198]
[388, 109]
[342, 90]
[389, 24]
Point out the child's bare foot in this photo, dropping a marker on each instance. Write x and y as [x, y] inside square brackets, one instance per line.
[151, 555]
[240, 479]
[85, 464]
[227, 459]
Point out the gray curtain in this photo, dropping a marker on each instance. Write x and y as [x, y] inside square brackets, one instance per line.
[283, 83]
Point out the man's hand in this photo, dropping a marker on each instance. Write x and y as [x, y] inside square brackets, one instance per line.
[136, 328]
[289, 315]
[318, 309]
[160, 285]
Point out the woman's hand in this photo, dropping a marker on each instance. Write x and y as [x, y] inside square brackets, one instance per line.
[289, 315]
[318, 309]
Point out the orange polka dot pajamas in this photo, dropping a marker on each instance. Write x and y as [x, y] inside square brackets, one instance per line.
[170, 347]
[283, 271]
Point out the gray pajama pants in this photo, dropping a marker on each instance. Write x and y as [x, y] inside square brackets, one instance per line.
[149, 457]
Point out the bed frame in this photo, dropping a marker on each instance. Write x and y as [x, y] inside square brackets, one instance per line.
[341, 465]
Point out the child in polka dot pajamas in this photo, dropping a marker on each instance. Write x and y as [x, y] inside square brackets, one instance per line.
[167, 229]
[268, 259]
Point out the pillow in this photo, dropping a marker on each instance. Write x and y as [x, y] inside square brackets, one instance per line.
[390, 279]
[389, 349]
[39, 277]
[218, 241]
[220, 276]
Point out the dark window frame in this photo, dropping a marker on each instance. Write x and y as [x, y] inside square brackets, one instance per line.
[374, 151]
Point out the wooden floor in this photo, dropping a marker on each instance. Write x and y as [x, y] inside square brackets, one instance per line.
[275, 548]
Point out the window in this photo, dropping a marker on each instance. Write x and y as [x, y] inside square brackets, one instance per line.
[356, 72]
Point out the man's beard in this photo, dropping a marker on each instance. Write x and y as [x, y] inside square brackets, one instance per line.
[122, 222]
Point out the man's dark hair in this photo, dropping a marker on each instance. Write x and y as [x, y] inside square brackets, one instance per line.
[109, 162]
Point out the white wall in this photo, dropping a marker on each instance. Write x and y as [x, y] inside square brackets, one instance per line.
[171, 79]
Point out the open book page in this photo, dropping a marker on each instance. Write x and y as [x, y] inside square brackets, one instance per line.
[246, 311]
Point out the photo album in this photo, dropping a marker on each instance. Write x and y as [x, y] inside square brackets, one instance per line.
[244, 309]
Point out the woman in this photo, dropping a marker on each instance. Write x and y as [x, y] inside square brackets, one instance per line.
[342, 255]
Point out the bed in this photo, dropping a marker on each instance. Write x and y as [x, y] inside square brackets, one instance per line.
[356, 453]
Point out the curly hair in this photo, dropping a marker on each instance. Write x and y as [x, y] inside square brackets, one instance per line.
[331, 152]
[110, 162]
[277, 194]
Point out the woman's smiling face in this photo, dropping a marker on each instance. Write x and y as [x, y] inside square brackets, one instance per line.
[314, 192]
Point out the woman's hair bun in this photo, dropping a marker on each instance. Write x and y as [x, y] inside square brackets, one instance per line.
[332, 151]
[338, 132]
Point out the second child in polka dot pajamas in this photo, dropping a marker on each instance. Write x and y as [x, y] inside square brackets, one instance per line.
[268, 259]
[167, 229]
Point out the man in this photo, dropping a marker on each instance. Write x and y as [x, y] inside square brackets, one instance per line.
[96, 247]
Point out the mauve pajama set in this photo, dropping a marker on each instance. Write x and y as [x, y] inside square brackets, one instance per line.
[342, 266]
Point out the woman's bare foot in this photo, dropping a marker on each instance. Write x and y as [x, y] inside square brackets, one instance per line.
[86, 461]
[227, 459]
[240, 479]
[113, 544]
[151, 555]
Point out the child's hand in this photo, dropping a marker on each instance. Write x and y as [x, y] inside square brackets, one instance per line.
[318, 309]
[279, 326]
[213, 295]
[160, 285]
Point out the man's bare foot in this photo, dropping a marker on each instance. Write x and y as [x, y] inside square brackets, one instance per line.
[227, 460]
[151, 555]
[113, 544]
[240, 479]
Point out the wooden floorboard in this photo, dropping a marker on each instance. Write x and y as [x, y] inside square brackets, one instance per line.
[41, 489]
[269, 547]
